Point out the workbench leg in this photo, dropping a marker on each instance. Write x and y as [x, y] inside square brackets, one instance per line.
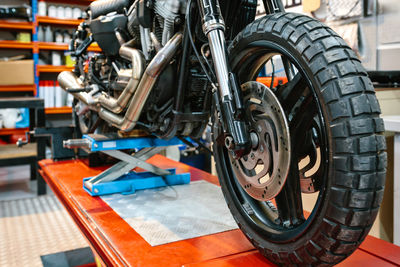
[396, 190]
[32, 124]
[41, 185]
[34, 169]
[37, 119]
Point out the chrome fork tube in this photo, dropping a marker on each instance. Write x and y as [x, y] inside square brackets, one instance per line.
[230, 101]
[214, 28]
[217, 46]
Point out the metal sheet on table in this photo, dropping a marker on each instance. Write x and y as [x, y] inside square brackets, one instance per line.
[175, 213]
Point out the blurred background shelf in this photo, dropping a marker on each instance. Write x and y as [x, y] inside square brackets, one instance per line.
[63, 47]
[55, 21]
[15, 45]
[53, 69]
[16, 131]
[52, 46]
[18, 88]
[15, 25]
[60, 110]
[74, 2]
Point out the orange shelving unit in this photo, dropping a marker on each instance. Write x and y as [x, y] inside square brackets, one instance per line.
[18, 88]
[56, 21]
[52, 46]
[52, 69]
[16, 45]
[36, 47]
[18, 131]
[73, 2]
[16, 25]
[56, 46]
[60, 110]
[11, 44]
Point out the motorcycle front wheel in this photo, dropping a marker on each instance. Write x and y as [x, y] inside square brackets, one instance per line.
[319, 140]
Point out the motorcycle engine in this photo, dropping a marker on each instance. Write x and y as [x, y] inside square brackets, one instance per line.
[167, 18]
[159, 17]
[139, 24]
[168, 13]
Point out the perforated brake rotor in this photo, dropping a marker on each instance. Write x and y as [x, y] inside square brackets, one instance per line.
[263, 172]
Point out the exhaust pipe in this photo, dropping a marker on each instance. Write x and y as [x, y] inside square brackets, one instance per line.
[110, 106]
[68, 80]
[138, 63]
[156, 66]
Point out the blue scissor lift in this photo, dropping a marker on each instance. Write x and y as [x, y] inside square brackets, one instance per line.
[120, 178]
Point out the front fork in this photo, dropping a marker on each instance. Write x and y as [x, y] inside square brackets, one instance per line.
[237, 137]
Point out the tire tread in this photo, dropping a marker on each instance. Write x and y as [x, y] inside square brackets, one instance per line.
[356, 130]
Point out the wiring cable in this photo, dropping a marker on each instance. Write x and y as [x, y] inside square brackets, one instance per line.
[188, 9]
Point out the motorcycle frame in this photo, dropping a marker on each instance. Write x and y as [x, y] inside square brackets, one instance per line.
[213, 28]
[229, 100]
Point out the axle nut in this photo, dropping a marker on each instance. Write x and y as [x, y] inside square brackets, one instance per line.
[229, 143]
[254, 140]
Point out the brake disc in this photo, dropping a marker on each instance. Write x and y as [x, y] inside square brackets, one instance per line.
[263, 172]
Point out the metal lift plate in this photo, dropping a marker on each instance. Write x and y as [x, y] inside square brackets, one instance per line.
[129, 183]
[100, 144]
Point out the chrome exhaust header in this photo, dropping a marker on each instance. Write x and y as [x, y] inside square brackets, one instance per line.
[139, 64]
[108, 107]
[68, 80]
[156, 66]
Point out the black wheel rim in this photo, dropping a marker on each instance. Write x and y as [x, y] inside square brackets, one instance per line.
[260, 215]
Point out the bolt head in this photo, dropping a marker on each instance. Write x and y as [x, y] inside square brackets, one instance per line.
[229, 143]
[254, 140]
[178, 20]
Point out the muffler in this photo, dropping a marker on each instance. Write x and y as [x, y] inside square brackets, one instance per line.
[150, 76]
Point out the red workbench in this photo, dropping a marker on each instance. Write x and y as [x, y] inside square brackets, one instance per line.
[115, 243]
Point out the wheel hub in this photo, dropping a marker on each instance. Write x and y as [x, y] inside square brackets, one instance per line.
[263, 172]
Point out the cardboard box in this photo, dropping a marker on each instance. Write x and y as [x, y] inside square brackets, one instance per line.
[19, 72]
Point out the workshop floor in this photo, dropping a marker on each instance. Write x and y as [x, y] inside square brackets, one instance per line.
[31, 226]
[15, 183]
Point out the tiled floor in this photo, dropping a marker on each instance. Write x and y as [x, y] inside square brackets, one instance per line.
[31, 226]
[15, 183]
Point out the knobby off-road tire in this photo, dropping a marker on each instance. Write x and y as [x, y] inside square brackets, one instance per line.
[354, 185]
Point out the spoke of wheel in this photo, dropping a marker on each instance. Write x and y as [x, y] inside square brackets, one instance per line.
[290, 93]
[288, 202]
[294, 95]
[289, 70]
[303, 117]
